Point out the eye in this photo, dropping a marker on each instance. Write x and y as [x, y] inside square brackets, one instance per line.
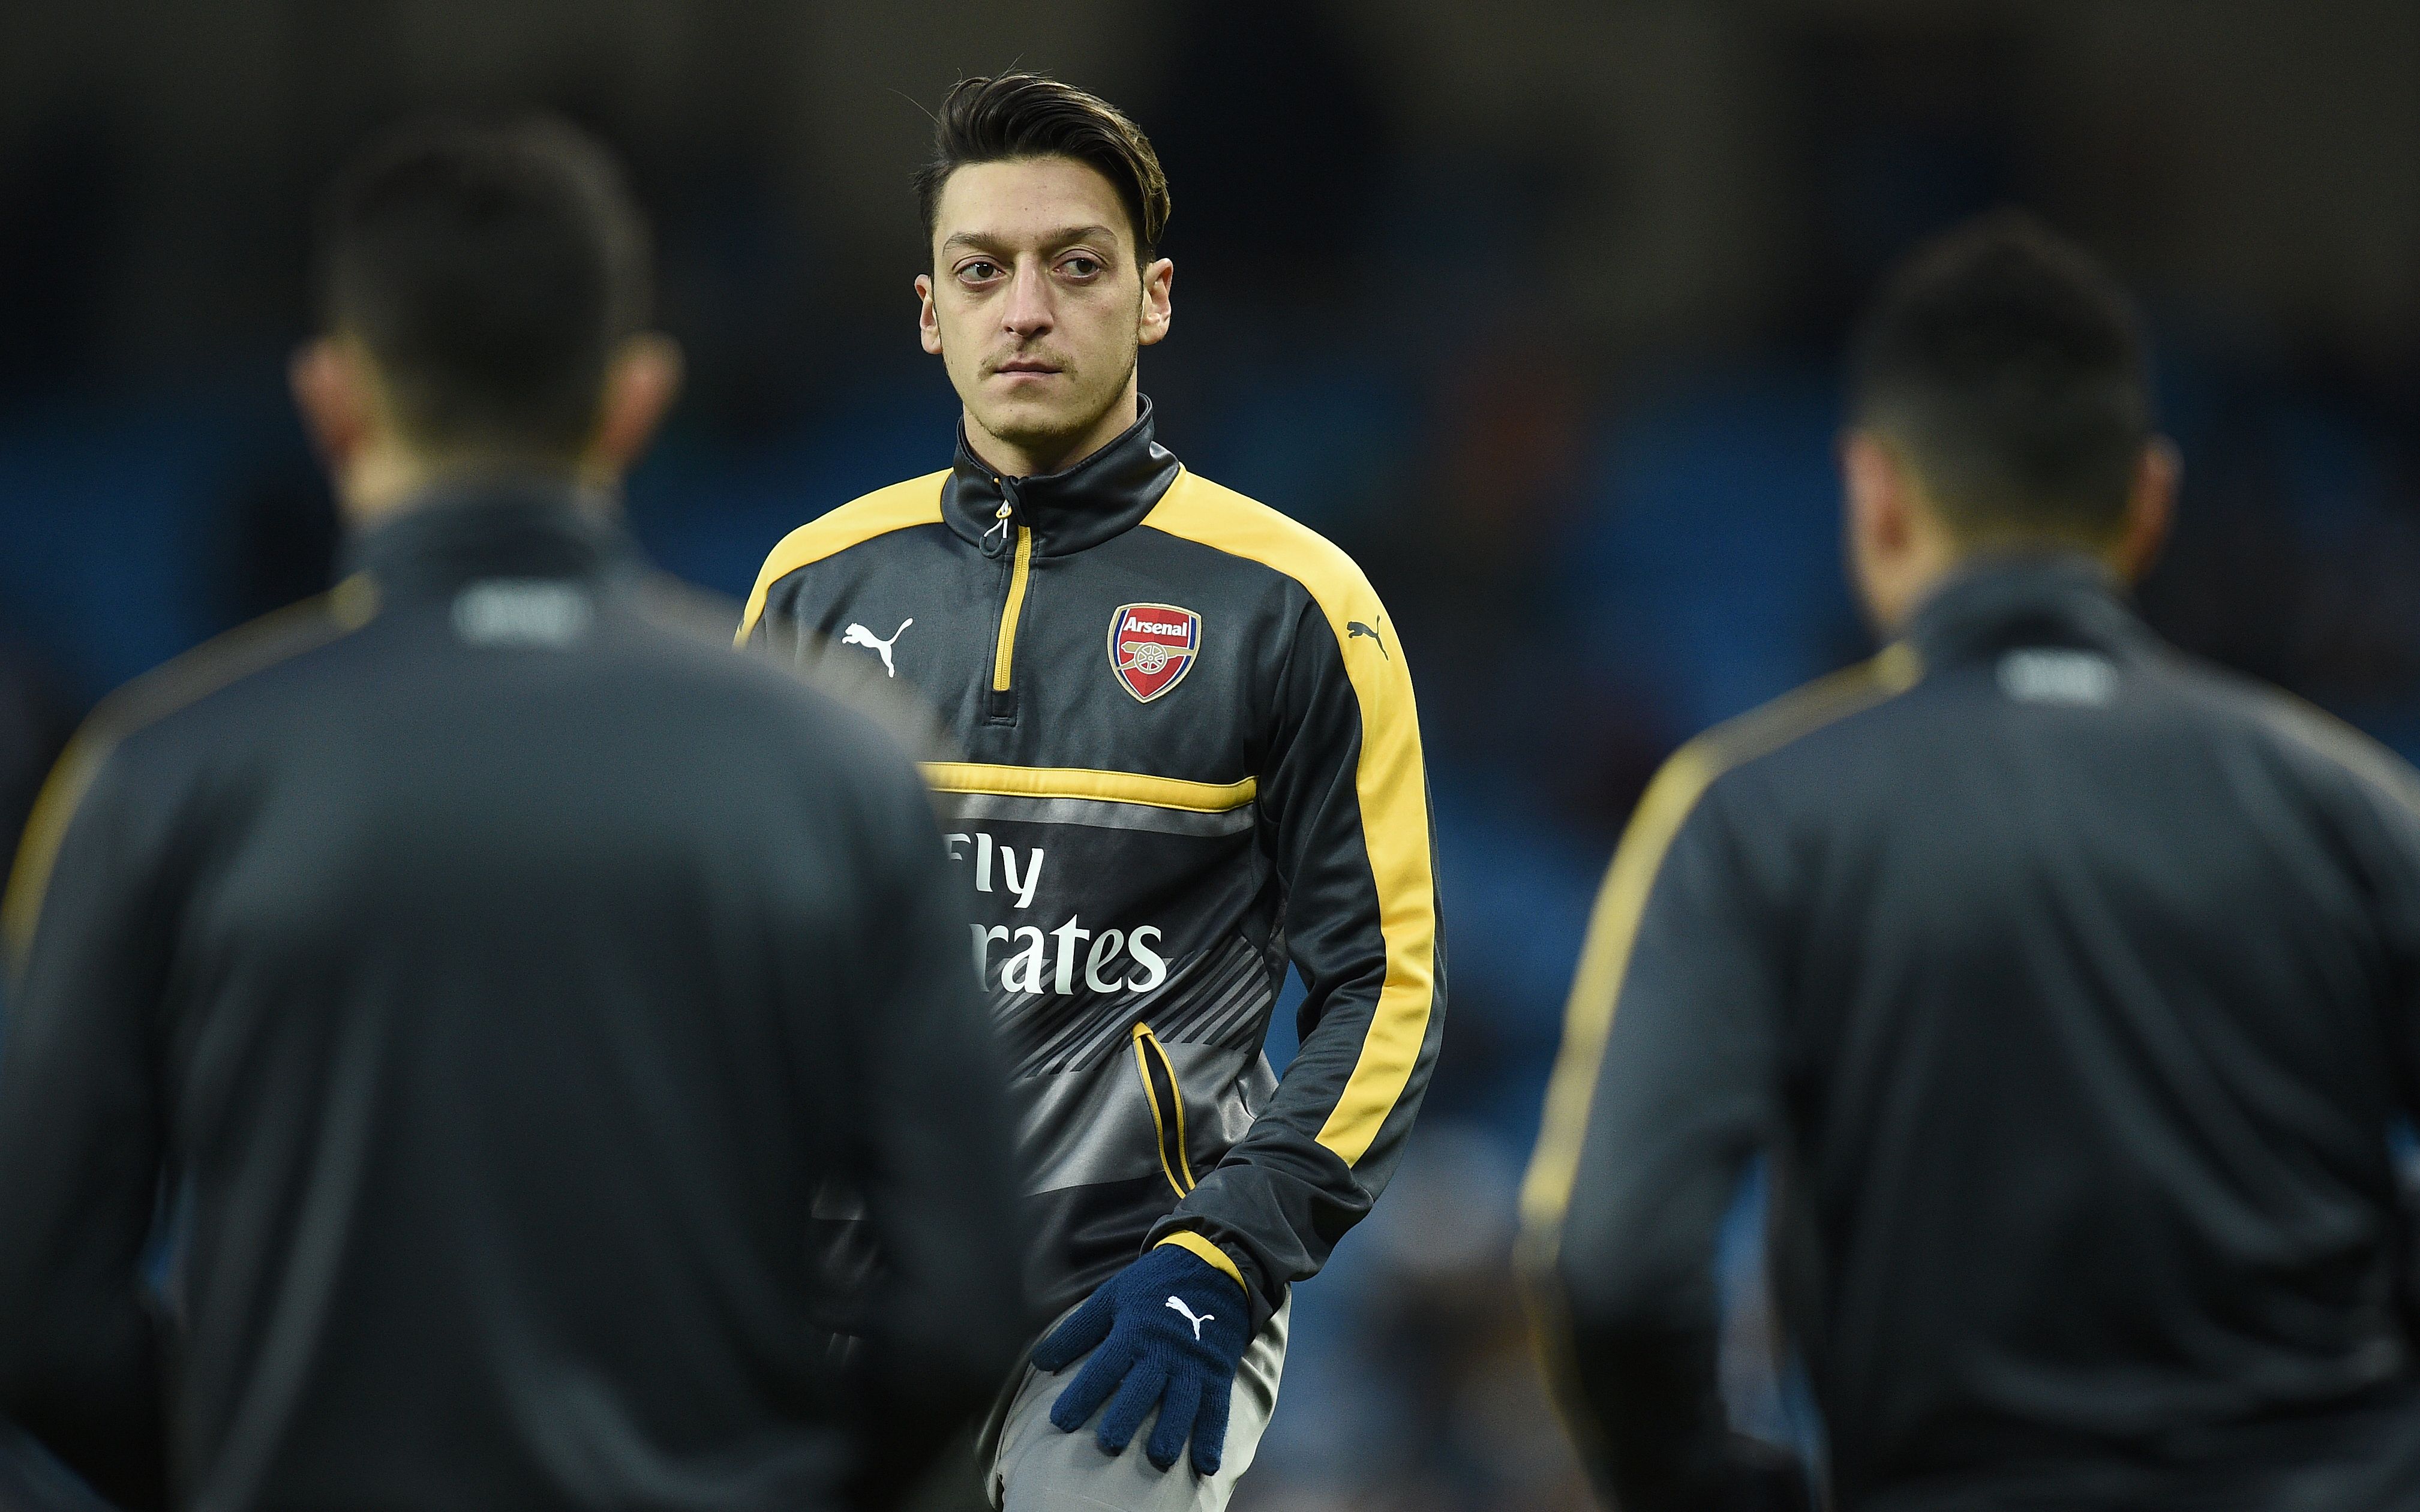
[978, 270]
[1080, 266]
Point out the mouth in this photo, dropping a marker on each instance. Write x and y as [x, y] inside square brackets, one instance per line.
[1026, 367]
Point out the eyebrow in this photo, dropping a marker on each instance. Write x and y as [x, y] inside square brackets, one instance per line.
[1066, 236]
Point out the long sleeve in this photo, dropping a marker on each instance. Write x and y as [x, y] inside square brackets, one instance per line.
[1670, 1080]
[1345, 808]
[81, 1140]
[934, 1161]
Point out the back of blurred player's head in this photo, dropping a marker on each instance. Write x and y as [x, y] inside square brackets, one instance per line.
[490, 272]
[2010, 373]
[1021, 115]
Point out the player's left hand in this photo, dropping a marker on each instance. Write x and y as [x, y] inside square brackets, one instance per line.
[1167, 1331]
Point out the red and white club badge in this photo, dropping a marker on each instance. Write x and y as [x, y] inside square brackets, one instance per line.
[1152, 647]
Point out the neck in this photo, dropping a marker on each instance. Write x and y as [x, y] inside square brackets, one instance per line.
[1983, 557]
[1893, 594]
[1037, 457]
[384, 482]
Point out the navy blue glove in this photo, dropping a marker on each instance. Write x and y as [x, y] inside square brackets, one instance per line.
[1167, 1331]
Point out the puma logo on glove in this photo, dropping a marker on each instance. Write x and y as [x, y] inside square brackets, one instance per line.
[1191, 1316]
[1164, 1333]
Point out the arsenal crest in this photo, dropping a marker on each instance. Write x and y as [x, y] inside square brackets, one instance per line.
[1152, 647]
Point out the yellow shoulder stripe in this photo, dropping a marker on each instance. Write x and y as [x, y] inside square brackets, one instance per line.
[1082, 783]
[917, 502]
[213, 665]
[1390, 781]
[1613, 925]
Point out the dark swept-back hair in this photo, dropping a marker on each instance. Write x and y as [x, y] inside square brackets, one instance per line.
[2014, 371]
[490, 268]
[1019, 116]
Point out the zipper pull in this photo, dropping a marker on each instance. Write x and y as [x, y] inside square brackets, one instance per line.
[1001, 523]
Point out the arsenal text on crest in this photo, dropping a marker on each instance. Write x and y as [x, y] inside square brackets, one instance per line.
[1152, 647]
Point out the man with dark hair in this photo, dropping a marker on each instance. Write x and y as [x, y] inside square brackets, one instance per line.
[476, 980]
[2067, 984]
[1190, 752]
[494, 288]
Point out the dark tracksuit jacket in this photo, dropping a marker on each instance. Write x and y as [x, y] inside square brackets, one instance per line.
[2070, 985]
[1189, 751]
[491, 976]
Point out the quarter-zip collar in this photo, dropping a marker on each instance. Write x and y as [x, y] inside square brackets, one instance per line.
[516, 527]
[2051, 599]
[1101, 496]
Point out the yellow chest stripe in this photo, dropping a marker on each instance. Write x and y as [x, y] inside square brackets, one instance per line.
[1084, 783]
[1004, 656]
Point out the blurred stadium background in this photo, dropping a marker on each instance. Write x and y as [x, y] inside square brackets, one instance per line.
[1532, 306]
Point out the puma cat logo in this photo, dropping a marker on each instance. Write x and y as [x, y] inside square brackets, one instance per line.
[858, 635]
[1197, 1319]
[1354, 628]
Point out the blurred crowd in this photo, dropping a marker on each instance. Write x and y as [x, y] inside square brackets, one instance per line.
[1598, 529]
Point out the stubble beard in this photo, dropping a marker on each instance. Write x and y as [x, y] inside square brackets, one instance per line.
[1039, 434]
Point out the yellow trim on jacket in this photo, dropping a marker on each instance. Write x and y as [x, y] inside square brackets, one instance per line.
[901, 506]
[1193, 1243]
[1086, 782]
[1389, 780]
[188, 679]
[1622, 904]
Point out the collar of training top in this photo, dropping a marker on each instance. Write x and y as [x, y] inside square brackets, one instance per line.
[458, 532]
[1103, 496]
[2062, 600]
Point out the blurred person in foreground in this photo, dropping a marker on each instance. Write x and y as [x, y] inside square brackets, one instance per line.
[489, 973]
[2068, 984]
[1190, 753]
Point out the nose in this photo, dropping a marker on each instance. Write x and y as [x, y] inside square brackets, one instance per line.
[1027, 312]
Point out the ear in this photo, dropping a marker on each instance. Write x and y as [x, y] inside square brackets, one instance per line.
[928, 321]
[2151, 510]
[1881, 535]
[1874, 485]
[641, 383]
[332, 390]
[1158, 279]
